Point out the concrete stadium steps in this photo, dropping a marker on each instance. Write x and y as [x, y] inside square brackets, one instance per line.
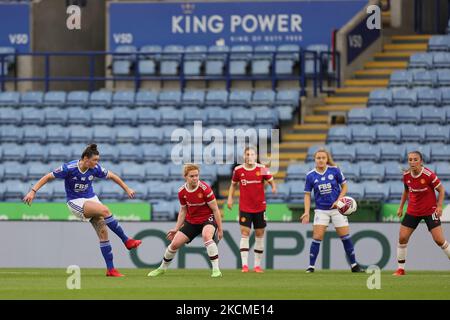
[373, 74]
[405, 47]
[418, 38]
[325, 110]
[386, 65]
[314, 118]
[394, 55]
[353, 91]
[346, 100]
[371, 83]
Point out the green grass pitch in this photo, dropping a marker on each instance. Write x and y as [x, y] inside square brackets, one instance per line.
[197, 284]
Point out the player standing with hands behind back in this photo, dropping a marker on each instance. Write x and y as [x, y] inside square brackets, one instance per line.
[252, 204]
[420, 186]
[329, 185]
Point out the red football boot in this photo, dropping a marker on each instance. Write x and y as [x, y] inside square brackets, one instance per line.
[132, 243]
[399, 272]
[113, 273]
[258, 269]
[244, 268]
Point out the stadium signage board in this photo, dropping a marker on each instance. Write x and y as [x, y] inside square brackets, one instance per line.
[15, 26]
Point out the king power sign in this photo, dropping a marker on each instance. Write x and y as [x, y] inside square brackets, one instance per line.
[286, 246]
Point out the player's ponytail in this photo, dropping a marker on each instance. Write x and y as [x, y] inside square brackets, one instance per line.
[90, 151]
[330, 160]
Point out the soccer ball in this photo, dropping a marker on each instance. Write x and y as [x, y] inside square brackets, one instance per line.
[346, 206]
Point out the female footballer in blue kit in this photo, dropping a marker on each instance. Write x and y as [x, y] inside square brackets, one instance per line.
[329, 185]
[83, 203]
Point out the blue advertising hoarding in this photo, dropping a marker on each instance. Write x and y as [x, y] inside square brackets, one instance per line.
[228, 23]
[15, 26]
[359, 39]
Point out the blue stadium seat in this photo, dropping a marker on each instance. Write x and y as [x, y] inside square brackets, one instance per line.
[195, 114]
[170, 60]
[424, 78]
[104, 134]
[393, 171]
[148, 62]
[428, 96]
[296, 191]
[57, 134]
[100, 98]
[360, 116]
[148, 116]
[265, 98]
[217, 115]
[112, 191]
[281, 196]
[441, 60]
[193, 98]
[362, 133]
[443, 77]
[407, 115]
[58, 152]
[129, 152]
[412, 133]
[146, 98]
[10, 116]
[215, 60]
[387, 133]
[395, 190]
[355, 190]
[150, 134]
[343, 152]
[169, 98]
[9, 99]
[38, 170]
[240, 98]
[55, 115]
[351, 171]
[121, 67]
[208, 173]
[156, 171]
[35, 153]
[439, 43]
[123, 98]
[11, 134]
[421, 61]
[372, 171]
[100, 115]
[125, 134]
[175, 172]
[153, 152]
[14, 171]
[392, 151]
[242, 116]
[109, 152]
[261, 62]
[167, 132]
[140, 189]
[76, 149]
[266, 116]
[194, 58]
[123, 58]
[443, 170]
[402, 96]
[297, 171]
[80, 134]
[440, 152]
[12, 152]
[380, 97]
[32, 116]
[34, 134]
[425, 149]
[239, 59]
[159, 191]
[57, 98]
[287, 57]
[375, 191]
[32, 98]
[171, 116]
[438, 134]
[163, 211]
[432, 115]
[216, 97]
[76, 115]
[367, 151]
[131, 170]
[400, 79]
[381, 114]
[78, 98]
[445, 97]
[16, 191]
[124, 116]
[339, 134]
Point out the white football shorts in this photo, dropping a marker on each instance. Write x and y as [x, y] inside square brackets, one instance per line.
[76, 206]
[322, 218]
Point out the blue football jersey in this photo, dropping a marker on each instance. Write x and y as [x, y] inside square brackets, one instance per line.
[78, 184]
[326, 186]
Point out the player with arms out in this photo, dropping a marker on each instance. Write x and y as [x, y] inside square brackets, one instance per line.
[329, 185]
[78, 176]
[420, 186]
[252, 204]
[199, 214]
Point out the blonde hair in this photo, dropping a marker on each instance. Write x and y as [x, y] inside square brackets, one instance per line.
[190, 167]
[330, 160]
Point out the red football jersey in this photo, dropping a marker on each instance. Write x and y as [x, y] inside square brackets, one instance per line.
[422, 196]
[251, 185]
[197, 201]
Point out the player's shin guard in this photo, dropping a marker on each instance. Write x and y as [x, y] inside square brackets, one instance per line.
[168, 257]
[349, 249]
[244, 247]
[401, 255]
[113, 224]
[106, 249]
[259, 250]
[213, 253]
[446, 248]
[314, 252]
